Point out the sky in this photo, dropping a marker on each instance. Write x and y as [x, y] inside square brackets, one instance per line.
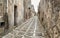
[35, 3]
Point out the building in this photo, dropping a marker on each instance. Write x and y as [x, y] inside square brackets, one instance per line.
[27, 9]
[48, 14]
[14, 12]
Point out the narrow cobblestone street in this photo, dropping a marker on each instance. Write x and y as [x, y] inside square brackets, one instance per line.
[30, 29]
[29, 18]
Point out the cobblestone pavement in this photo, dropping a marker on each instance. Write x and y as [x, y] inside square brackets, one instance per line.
[30, 29]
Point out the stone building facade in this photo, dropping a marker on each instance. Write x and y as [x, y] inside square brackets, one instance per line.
[48, 14]
[15, 11]
[2, 12]
[27, 9]
[11, 13]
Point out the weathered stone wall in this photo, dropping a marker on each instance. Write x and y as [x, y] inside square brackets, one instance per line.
[27, 9]
[1, 7]
[10, 11]
[48, 13]
[19, 13]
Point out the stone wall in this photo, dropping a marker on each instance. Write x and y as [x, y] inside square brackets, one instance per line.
[10, 11]
[19, 14]
[48, 13]
[20, 11]
[1, 7]
[27, 9]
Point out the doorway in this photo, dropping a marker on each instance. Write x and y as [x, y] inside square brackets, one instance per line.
[15, 15]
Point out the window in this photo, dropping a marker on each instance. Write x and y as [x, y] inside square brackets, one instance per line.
[2, 24]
